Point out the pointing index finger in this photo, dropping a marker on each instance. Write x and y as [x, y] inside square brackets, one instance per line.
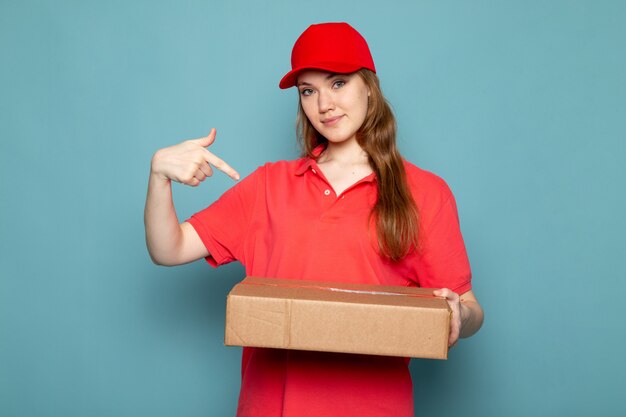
[222, 166]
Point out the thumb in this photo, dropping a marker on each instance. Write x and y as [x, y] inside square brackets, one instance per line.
[441, 292]
[206, 140]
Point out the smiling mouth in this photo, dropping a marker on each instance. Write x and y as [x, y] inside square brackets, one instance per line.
[331, 121]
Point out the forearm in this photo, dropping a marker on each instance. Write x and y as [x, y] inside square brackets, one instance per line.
[163, 234]
[471, 317]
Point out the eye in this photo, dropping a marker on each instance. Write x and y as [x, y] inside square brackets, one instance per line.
[306, 91]
[339, 83]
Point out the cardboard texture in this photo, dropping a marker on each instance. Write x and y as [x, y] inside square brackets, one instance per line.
[337, 317]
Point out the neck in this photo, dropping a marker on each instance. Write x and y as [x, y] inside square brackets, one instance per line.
[345, 153]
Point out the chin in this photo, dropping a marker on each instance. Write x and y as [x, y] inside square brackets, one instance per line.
[337, 139]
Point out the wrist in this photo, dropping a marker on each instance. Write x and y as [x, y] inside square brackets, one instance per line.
[466, 313]
[158, 178]
[156, 167]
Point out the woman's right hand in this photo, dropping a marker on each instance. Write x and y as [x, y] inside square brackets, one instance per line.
[189, 162]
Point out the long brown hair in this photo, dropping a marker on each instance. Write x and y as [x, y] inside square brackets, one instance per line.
[395, 211]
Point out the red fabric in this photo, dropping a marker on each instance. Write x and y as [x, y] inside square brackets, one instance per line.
[285, 221]
[348, 51]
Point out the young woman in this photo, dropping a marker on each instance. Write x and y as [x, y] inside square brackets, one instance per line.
[349, 210]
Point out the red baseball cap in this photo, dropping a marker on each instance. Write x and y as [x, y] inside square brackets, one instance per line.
[334, 47]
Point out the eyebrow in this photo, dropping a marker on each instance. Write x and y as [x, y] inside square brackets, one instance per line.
[328, 77]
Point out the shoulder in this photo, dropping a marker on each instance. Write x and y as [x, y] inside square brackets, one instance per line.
[284, 168]
[426, 185]
[431, 194]
[278, 173]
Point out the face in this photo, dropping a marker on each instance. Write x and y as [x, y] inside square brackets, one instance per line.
[335, 104]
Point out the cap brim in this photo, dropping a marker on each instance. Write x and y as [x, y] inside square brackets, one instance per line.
[289, 80]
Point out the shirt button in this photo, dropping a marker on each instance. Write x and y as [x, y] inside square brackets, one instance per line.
[327, 192]
[314, 171]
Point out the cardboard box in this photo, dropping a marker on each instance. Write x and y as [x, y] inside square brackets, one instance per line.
[334, 317]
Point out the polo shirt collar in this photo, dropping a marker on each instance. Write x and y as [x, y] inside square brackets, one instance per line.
[304, 164]
[308, 163]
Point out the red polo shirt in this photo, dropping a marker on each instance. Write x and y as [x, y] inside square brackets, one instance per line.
[285, 221]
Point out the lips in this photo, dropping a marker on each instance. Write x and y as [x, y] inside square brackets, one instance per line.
[331, 120]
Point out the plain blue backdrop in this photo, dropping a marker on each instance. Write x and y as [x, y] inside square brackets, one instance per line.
[519, 105]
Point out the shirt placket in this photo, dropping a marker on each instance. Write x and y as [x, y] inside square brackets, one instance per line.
[331, 201]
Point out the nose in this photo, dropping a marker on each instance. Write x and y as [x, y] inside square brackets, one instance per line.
[325, 101]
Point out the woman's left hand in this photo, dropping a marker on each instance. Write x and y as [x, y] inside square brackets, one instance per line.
[454, 301]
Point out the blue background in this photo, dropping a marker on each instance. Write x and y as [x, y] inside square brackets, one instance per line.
[519, 105]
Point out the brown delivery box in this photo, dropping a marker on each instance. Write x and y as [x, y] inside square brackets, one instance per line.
[338, 317]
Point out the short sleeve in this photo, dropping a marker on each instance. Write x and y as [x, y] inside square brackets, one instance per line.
[224, 225]
[443, 261]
